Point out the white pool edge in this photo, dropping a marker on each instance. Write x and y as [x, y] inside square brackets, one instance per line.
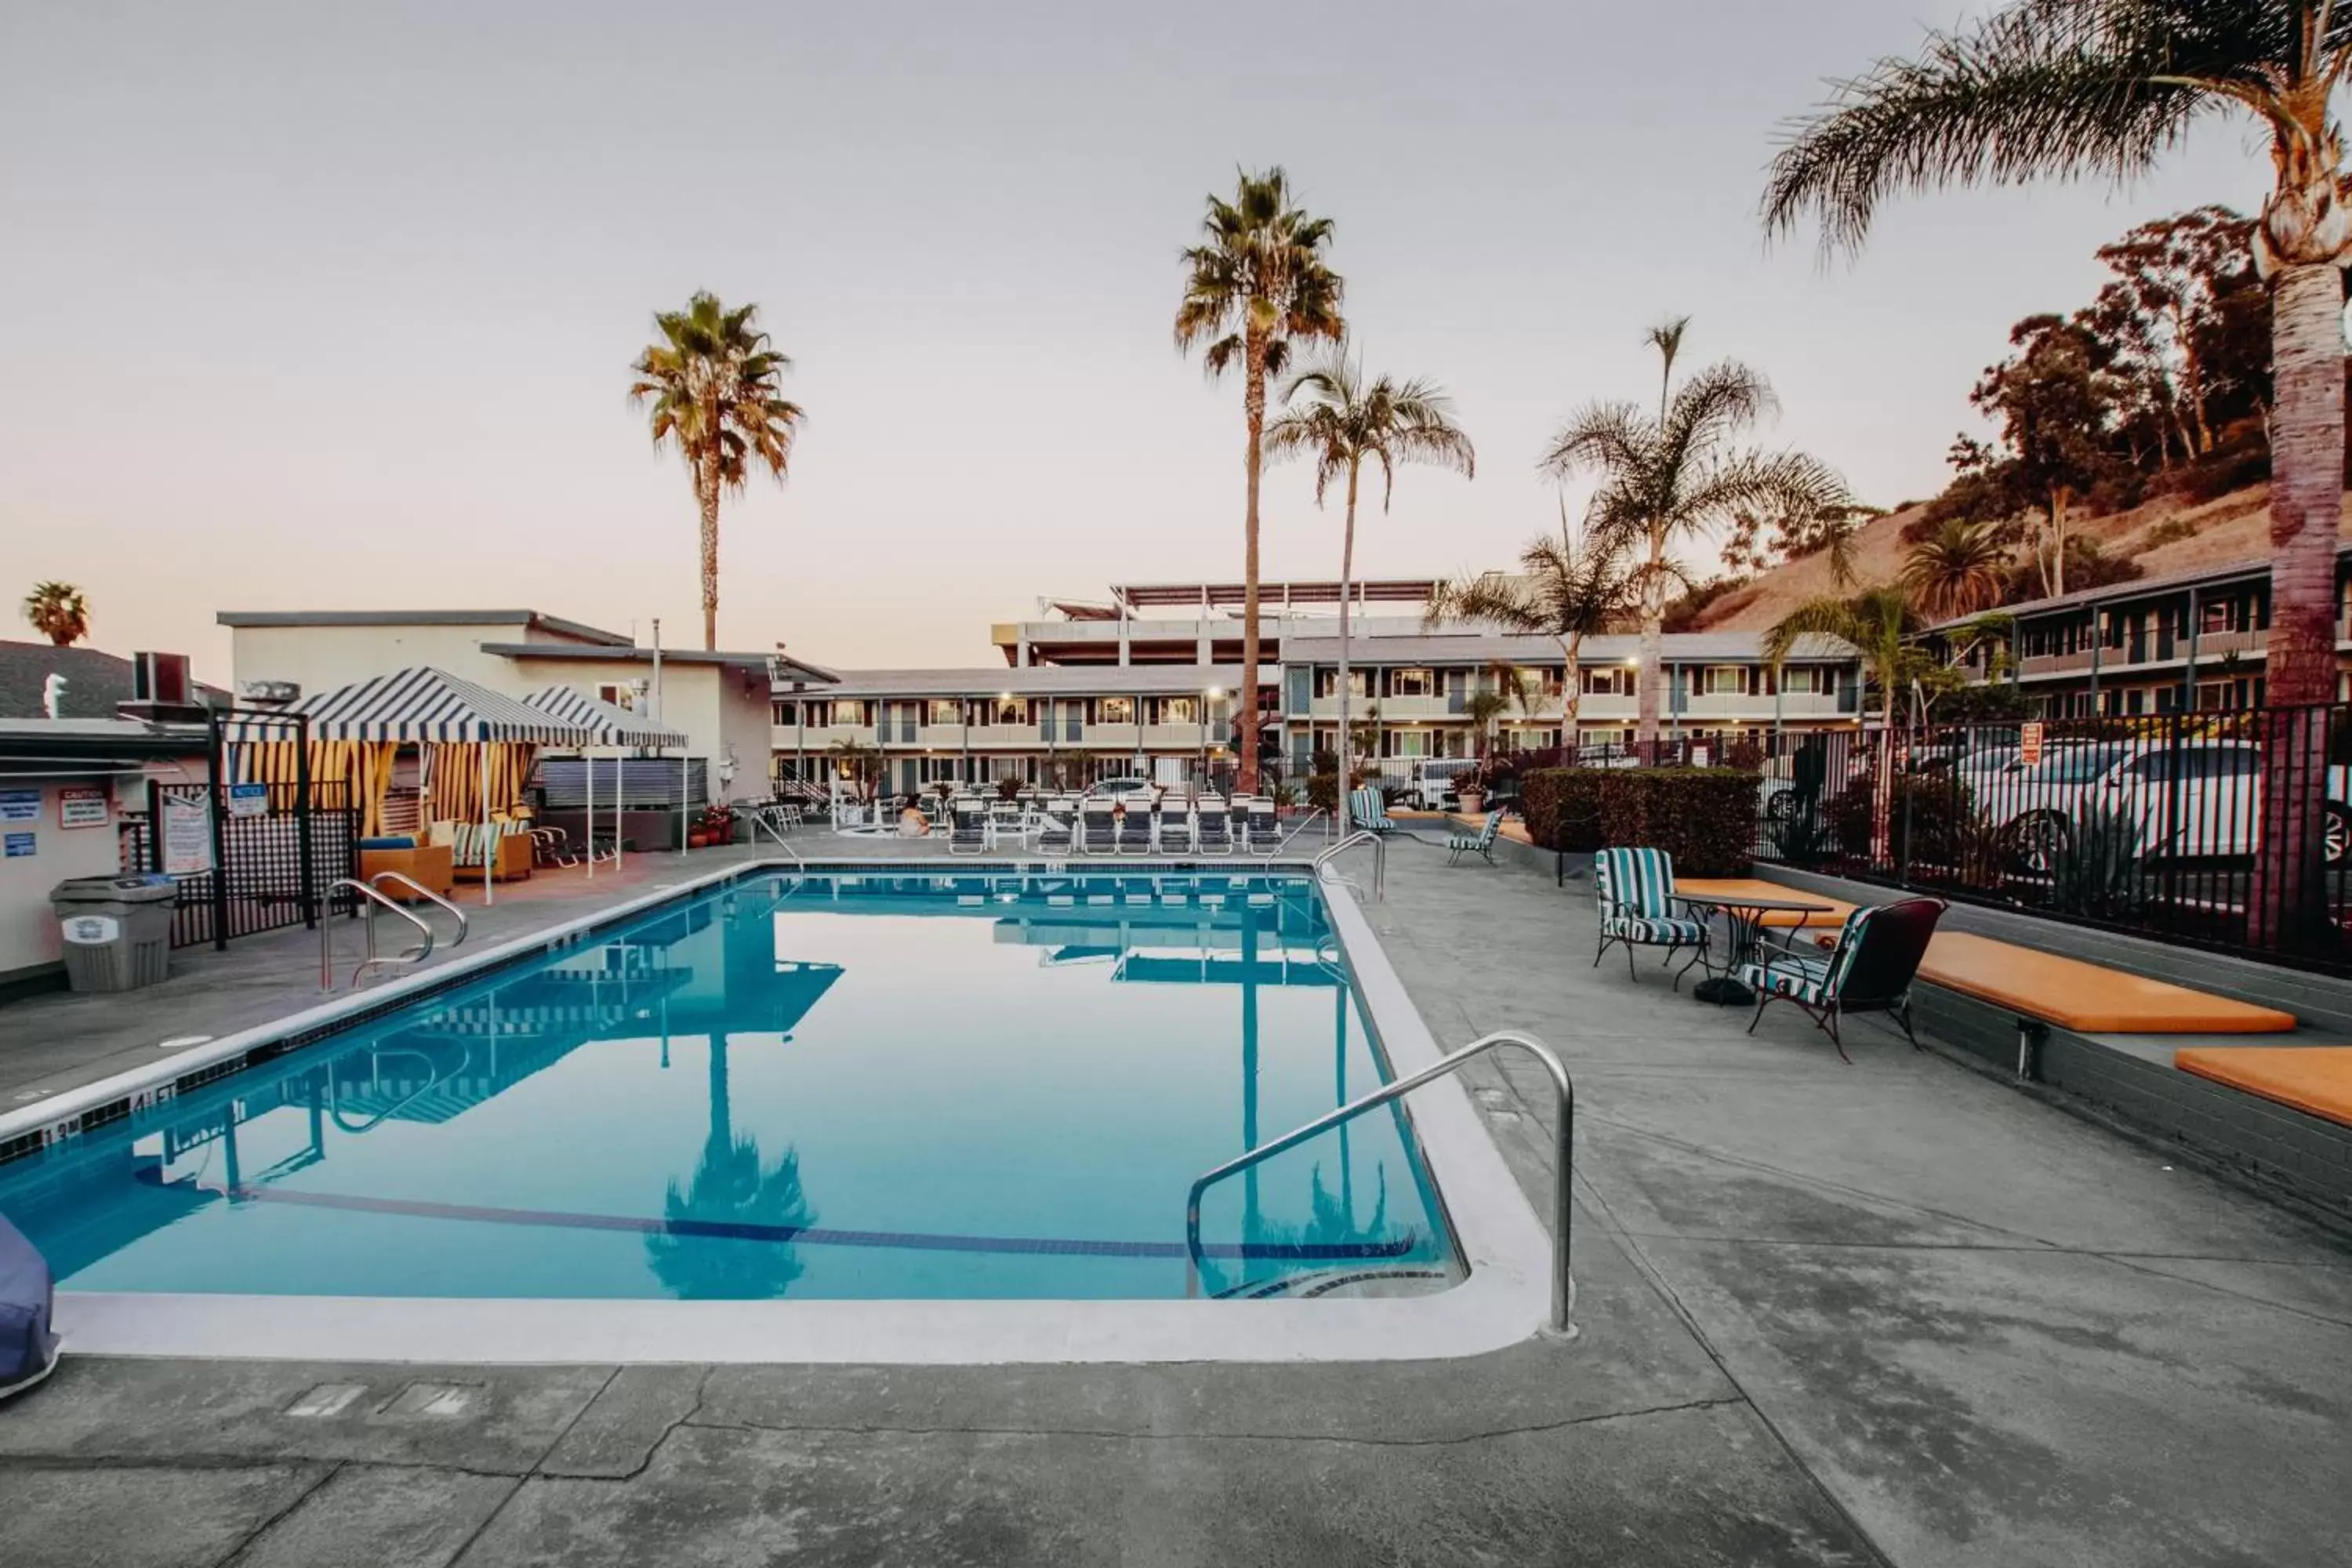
[1505, 1299]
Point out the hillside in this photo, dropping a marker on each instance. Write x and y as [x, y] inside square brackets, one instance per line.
[2218, 532]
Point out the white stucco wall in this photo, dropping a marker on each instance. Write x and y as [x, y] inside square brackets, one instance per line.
[29, 930]
[320, 659]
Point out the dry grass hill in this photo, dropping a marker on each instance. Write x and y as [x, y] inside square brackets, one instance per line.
[2163, 536]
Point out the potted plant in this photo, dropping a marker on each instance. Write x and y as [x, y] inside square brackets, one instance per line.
[1470, 787]
[715, 825]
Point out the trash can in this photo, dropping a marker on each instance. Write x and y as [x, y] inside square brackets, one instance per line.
[117, 931]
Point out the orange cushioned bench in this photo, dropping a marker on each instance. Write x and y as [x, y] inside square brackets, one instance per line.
[2315, 1079]
[2086, 997]
[1754, 888]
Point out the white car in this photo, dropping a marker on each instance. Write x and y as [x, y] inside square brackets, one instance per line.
[1114, 789]
[1431, 785]
[2196, 799]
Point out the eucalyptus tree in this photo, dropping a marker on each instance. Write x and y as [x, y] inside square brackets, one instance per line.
[1258, 281]
[1336, 418]
[2068, 88]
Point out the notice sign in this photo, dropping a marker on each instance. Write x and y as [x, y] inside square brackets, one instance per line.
[249, 800]
[79, 806]
[20, 805]
[187, 836]
[17, 846]
[2029, 745]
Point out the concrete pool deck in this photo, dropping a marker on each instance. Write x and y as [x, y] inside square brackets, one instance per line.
[1895, 1312]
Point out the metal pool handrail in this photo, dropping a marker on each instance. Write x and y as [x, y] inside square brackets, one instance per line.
[1564, 1101]
[1309, 820]
[413, 885]
[760, 824]
[374, 897]
[1380, 858]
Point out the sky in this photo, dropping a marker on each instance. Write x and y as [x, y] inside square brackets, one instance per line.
[315, 306]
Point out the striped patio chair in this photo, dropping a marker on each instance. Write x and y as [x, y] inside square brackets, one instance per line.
[1870, 970]
[1367, 811]
[1638, 908]
[1481, 843]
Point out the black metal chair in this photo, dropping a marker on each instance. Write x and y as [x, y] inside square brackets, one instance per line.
[1870, 970]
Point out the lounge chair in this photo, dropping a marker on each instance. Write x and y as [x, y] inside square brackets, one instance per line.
[968, 830]
[1057, 826]
[506, 850]
[1870, 970]
[1135, 827]
[1174, 825]
[1366, 810]
[1264, 830]
[1638, 907]
[1213, 832]
[1097, 828]
[1481, 843]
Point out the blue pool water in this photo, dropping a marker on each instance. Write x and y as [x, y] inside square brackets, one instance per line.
[830, 1086]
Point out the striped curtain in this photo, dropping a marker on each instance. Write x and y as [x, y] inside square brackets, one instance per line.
[343, 773]
[454, 775]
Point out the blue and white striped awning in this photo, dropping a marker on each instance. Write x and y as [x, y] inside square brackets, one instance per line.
[610, 725]
[419, 704]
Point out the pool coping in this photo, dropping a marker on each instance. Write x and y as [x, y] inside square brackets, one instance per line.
[1503, 1299]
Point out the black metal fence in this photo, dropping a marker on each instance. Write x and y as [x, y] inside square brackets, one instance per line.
[2229, 830]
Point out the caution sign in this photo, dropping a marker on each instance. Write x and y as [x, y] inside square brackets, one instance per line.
[2029, 745]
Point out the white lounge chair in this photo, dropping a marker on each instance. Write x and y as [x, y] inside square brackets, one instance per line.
[1175, 824]
[1097, 828]
[968, 830]
[1215, 832]
[1135, 827]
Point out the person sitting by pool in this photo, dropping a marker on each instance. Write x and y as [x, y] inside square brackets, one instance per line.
[912, 823]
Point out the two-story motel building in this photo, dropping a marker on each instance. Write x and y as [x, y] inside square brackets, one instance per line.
[1149, 682]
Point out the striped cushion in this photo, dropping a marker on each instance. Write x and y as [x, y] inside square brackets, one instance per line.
[1634, 882]
[1804, 979]
[1633, 928]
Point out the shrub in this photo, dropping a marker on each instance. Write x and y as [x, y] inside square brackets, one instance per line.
[1323, 791]
[1941, 819]
[1562, 807]
[1704, 818]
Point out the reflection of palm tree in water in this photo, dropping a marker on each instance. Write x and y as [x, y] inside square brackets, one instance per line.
[731, 1185]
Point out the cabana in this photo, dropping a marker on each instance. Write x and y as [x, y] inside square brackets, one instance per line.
[478, 745]
[612, 727]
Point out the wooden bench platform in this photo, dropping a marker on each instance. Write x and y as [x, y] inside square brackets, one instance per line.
[2313, 1079]
[2086, 998]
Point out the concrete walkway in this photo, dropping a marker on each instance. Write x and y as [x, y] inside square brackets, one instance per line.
[1893, 1312]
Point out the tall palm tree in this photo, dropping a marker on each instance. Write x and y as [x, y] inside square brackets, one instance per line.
[2061, 88]
[1879, 623]
[1683, 474]
[1333, 416]
[1565, 589]
[715, 384]
[58, 612]
[1256, 281]
[1957, 569]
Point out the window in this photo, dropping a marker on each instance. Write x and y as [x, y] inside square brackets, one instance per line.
[1115, 710]
[1327, 681]
[785, 715]
[816, 715]
[1801, 679]
[1180, 710]
[1409, 743]
[1723, 680]
[1004, 711]
[1610, 680]
[944, 710]
[1412, 683]
[2223, 762]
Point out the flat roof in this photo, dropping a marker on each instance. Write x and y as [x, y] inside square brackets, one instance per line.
[1036, 680]
[796, 670]
[2260, 566]
[421, 619]
[1456, 647]
[32, 745]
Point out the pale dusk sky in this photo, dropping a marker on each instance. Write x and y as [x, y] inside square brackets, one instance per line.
[333, 307]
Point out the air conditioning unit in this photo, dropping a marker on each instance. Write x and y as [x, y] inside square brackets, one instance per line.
[160, 679]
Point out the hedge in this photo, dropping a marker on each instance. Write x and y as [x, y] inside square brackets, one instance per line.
[1704, 818]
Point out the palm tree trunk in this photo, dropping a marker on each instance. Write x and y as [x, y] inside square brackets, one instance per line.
[1654, 641]
[706, 492]
[2306, 503]
[1346, 570]
[1245, 702]
[1571, 690]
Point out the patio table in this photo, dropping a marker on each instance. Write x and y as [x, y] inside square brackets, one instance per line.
[1743, 919]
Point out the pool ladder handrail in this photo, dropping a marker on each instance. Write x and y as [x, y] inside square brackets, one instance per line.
[465, 926]
[373, 897]
[762, 824]
[1309, 820]
[1564, 1104]
[1379, 859]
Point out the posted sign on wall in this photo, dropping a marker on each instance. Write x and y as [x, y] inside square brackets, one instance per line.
[2029, 744]
[187, 836]
[81, 806]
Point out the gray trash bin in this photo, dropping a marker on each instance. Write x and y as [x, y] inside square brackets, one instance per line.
[117, 931]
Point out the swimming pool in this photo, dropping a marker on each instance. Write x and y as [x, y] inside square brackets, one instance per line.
[846, 1085]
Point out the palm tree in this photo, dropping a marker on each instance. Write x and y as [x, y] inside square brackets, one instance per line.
[1257, 281]
[1564, 590]
[2061, 88]
[1957, 569]
[1879, 623]
[58, 612]
[716, 386]
[1332, 416]
[1681, 474]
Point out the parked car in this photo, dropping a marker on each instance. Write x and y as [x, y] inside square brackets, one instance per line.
[1431, 784]
[1114, 789]
[2197, 799]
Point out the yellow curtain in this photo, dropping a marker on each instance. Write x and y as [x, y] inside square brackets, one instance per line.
[456, 788]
